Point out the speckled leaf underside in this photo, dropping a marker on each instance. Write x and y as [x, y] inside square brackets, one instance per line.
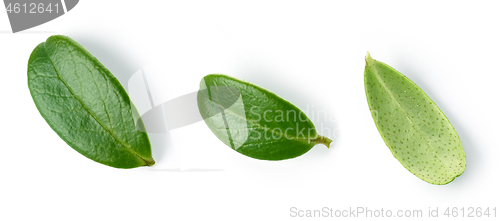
[254, 121]
[416, 131]
[85, 104]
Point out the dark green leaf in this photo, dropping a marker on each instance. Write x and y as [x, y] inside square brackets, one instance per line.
[413, 127]
[255, 121]
[85, 104]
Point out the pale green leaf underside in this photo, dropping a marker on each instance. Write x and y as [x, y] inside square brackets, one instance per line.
[85, 104]
[416, 131]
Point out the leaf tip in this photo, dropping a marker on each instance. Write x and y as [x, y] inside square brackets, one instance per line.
[369, 60]
[150, 163]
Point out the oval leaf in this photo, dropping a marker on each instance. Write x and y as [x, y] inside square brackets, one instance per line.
[254, 121]
[416, 131]
[85, 104]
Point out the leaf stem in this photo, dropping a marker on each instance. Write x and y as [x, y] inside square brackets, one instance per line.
[149, 163]
[322, 140]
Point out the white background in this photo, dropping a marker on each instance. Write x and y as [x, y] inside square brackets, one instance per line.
[309, 52]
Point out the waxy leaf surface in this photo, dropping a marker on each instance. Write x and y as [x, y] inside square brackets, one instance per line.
[85, 104]
[254, 121]
[416, 131]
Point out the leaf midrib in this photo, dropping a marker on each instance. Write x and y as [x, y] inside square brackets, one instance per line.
[379, 79]
[127, 147]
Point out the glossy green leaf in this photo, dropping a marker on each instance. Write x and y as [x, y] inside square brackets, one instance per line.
[85, 104]
[254, 121]
[416, 131]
